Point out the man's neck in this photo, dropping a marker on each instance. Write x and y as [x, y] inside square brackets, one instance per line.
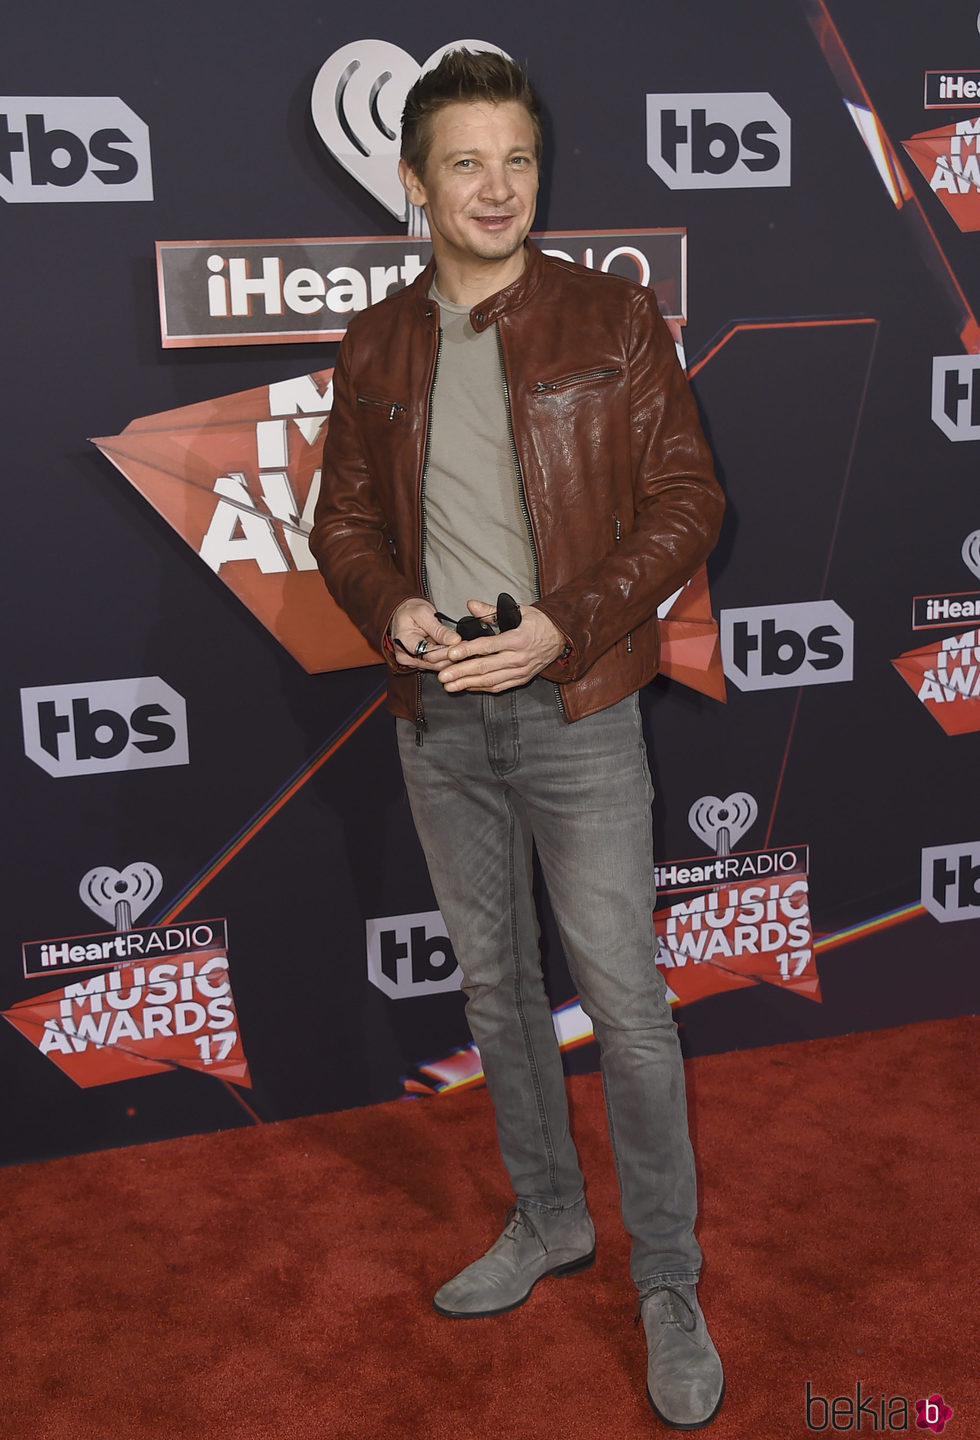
[469, 284]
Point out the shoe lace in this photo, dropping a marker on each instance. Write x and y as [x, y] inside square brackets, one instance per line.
[517, 1221]
[670, 1317]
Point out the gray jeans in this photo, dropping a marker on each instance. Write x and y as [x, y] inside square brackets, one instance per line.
[494, 774]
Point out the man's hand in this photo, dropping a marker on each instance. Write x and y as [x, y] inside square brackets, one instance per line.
[501, 662]
[413, 624]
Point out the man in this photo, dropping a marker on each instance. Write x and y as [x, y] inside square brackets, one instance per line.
[514, 423]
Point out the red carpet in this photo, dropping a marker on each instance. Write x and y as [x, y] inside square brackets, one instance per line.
[275, 1282]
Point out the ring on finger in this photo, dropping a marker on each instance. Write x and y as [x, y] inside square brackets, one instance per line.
[421, 648]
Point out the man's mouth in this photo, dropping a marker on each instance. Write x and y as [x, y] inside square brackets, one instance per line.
[493, 222]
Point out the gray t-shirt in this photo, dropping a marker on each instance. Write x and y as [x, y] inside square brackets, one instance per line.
[477, 541]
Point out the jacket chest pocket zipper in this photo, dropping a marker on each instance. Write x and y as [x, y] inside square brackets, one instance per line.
[392, 406]
[609, 372]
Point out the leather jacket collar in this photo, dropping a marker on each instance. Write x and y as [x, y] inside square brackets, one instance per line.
[504, 302]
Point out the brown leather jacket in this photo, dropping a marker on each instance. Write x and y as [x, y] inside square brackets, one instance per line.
[619, 488]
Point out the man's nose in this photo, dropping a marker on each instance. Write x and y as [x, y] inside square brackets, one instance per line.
[496, 183]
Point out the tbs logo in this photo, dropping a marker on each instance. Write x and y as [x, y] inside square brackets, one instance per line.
[951, 881]
[411, 955]
[956, 396]
[770, 647]
[718, 142]
[108, 725]
[80, 148]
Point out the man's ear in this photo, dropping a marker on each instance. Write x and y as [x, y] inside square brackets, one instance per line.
[414, 188]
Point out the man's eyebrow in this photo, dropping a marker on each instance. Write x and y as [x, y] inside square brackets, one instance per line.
[477, 150]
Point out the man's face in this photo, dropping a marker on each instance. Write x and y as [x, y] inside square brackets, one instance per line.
[480, 186]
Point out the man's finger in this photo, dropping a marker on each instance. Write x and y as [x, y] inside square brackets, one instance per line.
[463, 650]
[487, 670]
[480, 608]
[468, 659]
[496, 680]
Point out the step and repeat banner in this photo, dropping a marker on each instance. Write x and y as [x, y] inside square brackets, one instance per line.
[217, 912]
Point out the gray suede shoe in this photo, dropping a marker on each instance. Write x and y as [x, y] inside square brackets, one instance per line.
[685, 1381]
[503, 1278]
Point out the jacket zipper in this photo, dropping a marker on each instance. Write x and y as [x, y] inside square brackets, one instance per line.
[629, 633]
[521, 492]
[423, 576]
[602, 374]
[391, 406]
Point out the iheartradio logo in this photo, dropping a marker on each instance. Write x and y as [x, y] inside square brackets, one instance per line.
[357, 102]
[722, 823]
[120, 897]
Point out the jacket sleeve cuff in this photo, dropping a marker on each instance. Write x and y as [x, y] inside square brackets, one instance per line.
[391, 656]
[388, 647]
[563, 666]
[560, 669]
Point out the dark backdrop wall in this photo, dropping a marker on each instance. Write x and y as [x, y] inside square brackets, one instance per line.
[217, 912]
